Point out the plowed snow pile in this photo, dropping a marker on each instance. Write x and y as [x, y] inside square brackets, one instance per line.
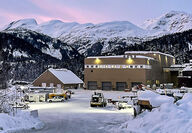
[21, 121]
[155, 99]
[168, 118]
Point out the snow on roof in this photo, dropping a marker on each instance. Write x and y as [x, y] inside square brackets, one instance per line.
[176, 65]
[144, 57]
[66, 76]
[147, 52]
[188, 68]
[116, 56]
[120, 56]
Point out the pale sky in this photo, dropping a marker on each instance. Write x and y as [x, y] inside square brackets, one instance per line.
[89, 11]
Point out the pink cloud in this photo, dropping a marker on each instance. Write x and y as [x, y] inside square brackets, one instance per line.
[66, 13]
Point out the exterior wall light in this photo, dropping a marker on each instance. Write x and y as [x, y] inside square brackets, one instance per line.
[147, 61]
[97, 61]
[174, 61]
[166, 59]
[129, 60]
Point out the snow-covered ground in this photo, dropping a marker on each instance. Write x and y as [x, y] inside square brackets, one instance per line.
[76, 115]
[168, 118]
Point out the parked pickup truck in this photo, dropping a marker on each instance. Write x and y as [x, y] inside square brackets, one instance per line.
[57, 97]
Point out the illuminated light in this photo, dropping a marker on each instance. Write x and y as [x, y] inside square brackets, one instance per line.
[129, 61]
[148, 62]
[157, 82]
[174, 61]
[159, 58]
[166, 59]
[97, 61]
[154, 54]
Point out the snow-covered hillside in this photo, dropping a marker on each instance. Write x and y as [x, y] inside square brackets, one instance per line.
[95, 39]
[168, 23]
[23, 23]
[54, 28]
[57, 28]
[106, 31]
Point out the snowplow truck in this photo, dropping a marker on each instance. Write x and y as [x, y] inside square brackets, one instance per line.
[97, 99]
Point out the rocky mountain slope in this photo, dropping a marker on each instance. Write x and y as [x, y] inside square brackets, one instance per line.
[30, 53]
[169, 23]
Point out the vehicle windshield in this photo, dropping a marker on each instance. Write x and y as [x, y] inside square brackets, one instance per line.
[95, 99]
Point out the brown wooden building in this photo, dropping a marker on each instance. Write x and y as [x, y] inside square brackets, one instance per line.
[60, 78]
[125, 71]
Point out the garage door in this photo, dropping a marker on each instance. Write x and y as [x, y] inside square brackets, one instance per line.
[92, 85]
[121, 86]
[106, 86]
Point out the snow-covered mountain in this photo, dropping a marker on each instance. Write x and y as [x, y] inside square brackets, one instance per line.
[172, 22]
[94, 39]
[57, 28]
[108, 30]
[23, 23]
[168, 23]
[54, 28]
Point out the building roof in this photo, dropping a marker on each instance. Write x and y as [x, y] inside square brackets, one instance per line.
[66, 76]
[147, 52]
[188, 68]
[120, 56]
[115, 56]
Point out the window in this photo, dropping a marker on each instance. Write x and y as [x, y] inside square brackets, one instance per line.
[87, 66]
[131, 66]
[157, 82]
[51, 84]
[91, 70]
[141, 66]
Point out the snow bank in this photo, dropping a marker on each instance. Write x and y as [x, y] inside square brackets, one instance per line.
[168, 118]
[21, 121]
[155, 99]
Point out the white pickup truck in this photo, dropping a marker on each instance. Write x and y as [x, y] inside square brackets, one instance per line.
[56, 99]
